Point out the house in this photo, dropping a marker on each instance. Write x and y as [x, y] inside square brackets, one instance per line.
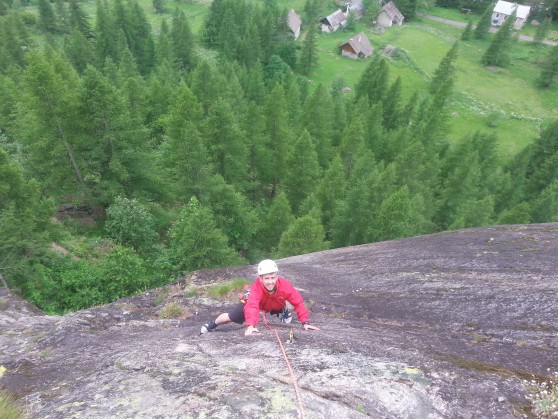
[357, 7]
[390, 15]
[503, 9]
[358, 46]
[294, 22]
[334, 21]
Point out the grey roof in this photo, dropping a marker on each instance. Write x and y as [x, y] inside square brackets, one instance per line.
[360, 44]
[294, 21]
[336, 18]
[392, 11]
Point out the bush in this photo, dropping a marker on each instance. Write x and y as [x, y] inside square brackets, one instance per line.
[124, 273]
[64, 284]
[130, 224]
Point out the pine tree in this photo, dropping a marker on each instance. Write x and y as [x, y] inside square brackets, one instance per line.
[550, 69]
[311, 11]
[207, 84]
[309, 55]
[374, 133]
[300, 182]
[391, 105]
[62, 16]
[13, 41]
[227, 144]
[79, 51]
[212, 23]
[519, 214]
[24, 225]
[485, 22]
[140, 38]
[272, 152]
[304, 235]
[543, 29]
[184, 153]
[339, 119]
[48, 123]
[275, 222]
[331, 189]
[318, 119]
[159, 6]
[545, 206]
[47, 18]
[498, 53]
[408, 8]
[444, 76]
[197, 242]
[468, 31]
[373, 82]
[399, 216]
[466, 202]
[352, 143]
[233, 214]
[182, 41]
[113, 143]
[106, 33]
[542, 167]
[79, 20]
[371, 183]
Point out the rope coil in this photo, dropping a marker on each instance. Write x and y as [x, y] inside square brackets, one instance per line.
[291, 372]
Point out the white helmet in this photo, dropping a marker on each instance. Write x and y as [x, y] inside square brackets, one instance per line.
[267, 266]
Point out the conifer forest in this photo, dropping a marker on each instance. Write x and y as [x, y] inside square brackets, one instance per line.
[130, 156]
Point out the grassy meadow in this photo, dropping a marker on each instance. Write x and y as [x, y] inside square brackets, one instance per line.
[501, 101]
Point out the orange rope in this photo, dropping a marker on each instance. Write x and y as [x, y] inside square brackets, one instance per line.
[291, 372]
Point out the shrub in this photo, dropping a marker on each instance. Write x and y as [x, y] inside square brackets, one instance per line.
[171, 311]
[130, 224]
[124, 273]
[64, 284]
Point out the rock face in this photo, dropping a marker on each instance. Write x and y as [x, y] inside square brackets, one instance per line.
[447, 325]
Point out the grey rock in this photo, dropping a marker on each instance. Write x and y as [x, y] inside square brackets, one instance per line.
[440, 326]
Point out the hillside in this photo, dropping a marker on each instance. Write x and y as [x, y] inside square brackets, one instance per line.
[445, 325]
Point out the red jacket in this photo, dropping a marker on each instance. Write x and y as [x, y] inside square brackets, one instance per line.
[261, 299]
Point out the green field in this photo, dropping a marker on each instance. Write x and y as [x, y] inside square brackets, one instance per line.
[501, 101]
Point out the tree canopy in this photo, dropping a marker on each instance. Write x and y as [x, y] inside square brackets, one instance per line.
[149, 154]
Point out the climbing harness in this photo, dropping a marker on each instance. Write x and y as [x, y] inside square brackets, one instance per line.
[291, 372]
[245, 293]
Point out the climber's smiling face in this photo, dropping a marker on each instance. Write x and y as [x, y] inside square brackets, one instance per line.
[269, 280]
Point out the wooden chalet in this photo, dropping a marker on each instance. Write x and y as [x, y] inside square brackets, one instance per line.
[390, 15]
[358, 46]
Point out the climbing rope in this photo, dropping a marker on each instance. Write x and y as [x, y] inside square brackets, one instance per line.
[291, 372]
